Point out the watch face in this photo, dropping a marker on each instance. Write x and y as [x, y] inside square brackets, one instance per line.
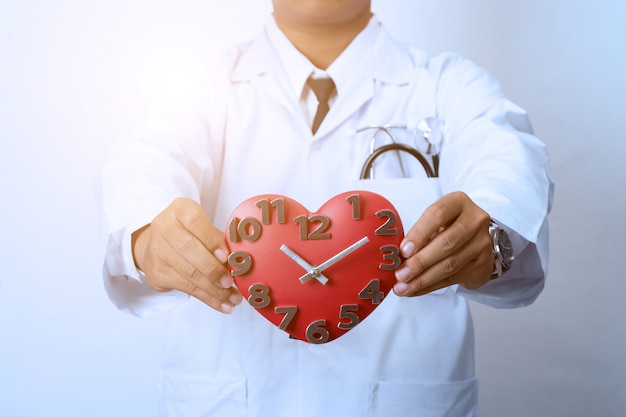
[505, 248]
[315, 275]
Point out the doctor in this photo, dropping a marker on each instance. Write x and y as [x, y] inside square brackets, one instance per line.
[168, 193]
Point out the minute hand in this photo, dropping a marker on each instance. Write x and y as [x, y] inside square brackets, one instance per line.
[323, 266]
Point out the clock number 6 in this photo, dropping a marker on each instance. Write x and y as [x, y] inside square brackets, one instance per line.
[316, 333]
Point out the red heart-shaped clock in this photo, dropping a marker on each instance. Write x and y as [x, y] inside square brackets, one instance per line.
[315, 275]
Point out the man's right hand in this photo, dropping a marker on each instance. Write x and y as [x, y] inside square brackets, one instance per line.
[182, 250]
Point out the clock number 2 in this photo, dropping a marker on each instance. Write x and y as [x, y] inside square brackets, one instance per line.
[388, 227]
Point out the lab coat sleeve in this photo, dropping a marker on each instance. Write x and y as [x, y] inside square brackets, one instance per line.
[491, 154]
[171, 156]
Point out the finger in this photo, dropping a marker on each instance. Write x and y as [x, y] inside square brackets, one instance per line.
[437, 250]
[191, 217]
[177, 229]
[190, 282]
[469, 263]
[433, 220]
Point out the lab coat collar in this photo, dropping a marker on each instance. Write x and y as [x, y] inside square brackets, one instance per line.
[387, 62]
[392, 61]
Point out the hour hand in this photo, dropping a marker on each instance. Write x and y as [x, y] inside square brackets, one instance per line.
[304, 264]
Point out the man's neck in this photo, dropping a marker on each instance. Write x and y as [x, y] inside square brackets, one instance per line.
[322, 44]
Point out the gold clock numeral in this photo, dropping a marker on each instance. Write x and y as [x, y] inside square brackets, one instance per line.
[316, 333]
[267, 207]
[355, 201]
[289, 312]
[307, 222]
[388, 227]
[259, 296]
[241, 261]
[248, 229]
[347, 312]
[372, 292]
[390, 253]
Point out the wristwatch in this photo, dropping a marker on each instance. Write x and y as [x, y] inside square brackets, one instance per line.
[502, 250]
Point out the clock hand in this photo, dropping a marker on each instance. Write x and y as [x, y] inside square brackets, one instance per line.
[304, 264]
[316, 271]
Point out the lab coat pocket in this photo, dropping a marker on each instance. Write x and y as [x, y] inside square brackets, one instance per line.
[404, 399]
[187, 395]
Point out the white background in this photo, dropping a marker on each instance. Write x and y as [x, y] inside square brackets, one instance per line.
[76, 74]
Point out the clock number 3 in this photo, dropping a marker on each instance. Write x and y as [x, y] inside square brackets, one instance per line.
[390, 253]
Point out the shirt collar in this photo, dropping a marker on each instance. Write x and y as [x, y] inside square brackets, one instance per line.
[299, 68]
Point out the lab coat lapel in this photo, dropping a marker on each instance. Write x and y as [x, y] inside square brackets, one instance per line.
[389, 63]
[259, 59]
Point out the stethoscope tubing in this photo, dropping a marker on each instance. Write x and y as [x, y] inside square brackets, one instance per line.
[367, 165]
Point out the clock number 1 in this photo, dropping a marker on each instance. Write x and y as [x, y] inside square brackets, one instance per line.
[355, 201]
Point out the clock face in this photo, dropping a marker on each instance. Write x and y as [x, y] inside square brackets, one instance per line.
[315, 275]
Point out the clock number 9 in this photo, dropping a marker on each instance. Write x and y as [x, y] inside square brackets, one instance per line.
[390, 253]
[248, 229]
[241, 261]
[388, 227]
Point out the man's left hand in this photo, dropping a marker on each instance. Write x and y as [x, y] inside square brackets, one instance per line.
[449, 244]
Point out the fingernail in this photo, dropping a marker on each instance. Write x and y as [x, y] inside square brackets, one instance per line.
[400, 288]
[226, 281]
[403, 273]
[235, 299]
[408, 249]
[227, 308]
[221, 255]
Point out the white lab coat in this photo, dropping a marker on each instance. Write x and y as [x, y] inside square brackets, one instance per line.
[412, 356]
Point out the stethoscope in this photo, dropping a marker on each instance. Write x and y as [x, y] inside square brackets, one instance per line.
[432, 129]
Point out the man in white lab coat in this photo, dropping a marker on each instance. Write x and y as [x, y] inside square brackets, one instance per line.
[168, 194]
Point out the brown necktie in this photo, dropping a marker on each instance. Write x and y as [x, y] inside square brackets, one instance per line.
[323, 88]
